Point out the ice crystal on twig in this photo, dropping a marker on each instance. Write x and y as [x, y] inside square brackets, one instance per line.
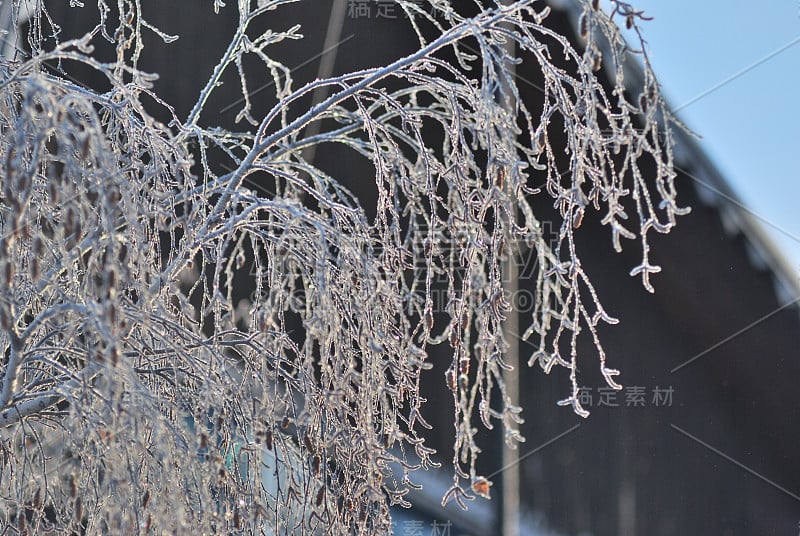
[136, 395]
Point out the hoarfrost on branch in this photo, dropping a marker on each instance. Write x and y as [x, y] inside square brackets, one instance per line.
[135, 393]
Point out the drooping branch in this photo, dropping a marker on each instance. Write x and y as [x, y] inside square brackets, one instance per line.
[304, 397]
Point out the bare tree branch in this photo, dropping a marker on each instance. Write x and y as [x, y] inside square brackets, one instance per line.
[140, 394]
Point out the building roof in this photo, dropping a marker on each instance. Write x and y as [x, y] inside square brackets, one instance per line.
[711, 186]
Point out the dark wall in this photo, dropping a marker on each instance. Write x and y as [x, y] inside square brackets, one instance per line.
[737, 398]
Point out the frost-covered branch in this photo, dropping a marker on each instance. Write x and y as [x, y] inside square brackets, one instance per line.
[131, 371]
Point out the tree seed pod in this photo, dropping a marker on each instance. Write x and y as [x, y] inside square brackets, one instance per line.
[584, 26]
[5, 318]
[308, 443]
[66, 221]
[8, 272]
[268, 439]
[450, 377]
[577, 218]
[123, 253]
[114, 355]
[85, 147]
[111, 280]
[78, 512]
[316, 463]
[105, 435]
[597, 61]
[596, 5]
[320, 496]
[481, 486]
[9, 167]
[453, 337]
[285, 423]
[111, 311]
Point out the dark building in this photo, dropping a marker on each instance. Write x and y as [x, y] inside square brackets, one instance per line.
[704, 437]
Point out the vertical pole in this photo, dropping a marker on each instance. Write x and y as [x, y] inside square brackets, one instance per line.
[626, 497]
[511, 476]
[326, 65]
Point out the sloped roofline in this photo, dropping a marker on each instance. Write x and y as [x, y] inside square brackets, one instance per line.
[710, 185]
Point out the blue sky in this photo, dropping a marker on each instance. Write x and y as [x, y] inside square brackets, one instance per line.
[750, 125]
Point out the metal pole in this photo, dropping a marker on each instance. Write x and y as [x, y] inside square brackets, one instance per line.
[326, 66]
[511, 476]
